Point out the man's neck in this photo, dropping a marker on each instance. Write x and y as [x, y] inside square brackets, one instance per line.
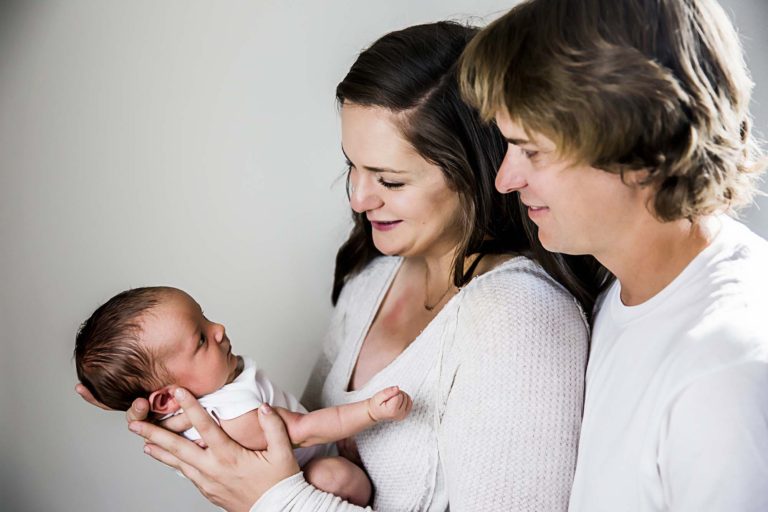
[649, 258]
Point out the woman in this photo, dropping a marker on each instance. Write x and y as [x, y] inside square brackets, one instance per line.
[461, 314]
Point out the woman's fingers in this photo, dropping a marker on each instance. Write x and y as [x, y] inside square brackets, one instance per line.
[88, 396]
[139, 410]
[226, 473]
[170, 460]
[278, 443]
[163, 456]
[201, 420]
[178, 423]
[176, 445]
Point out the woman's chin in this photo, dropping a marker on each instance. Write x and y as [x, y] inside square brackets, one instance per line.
[387, 250]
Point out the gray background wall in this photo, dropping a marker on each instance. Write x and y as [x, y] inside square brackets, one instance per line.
[186, 143]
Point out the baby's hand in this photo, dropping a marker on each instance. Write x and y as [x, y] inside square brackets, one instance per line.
[389, 404]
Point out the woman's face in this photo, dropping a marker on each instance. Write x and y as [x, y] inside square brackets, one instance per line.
[407, 200]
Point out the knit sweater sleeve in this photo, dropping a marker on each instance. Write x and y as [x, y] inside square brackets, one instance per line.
[510, 427]
[294, 494]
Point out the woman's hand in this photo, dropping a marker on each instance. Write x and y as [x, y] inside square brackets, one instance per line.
[227, 474]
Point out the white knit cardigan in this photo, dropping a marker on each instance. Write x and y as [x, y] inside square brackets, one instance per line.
[497, 383]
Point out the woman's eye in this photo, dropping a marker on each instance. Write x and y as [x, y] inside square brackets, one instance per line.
[201, 342]
[389, 184]
[529, 153]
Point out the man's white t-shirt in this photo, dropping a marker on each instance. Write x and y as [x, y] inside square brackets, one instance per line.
[676, 407]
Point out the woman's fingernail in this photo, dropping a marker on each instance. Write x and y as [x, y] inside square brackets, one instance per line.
[134, 427]
[265, 409]
[147, 450]
[180, 394]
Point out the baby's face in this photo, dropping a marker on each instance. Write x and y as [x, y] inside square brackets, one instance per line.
[195, 351]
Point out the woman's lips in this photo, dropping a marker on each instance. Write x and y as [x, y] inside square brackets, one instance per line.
[384, 225]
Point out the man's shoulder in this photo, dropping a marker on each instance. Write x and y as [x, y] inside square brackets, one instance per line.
[742, 247]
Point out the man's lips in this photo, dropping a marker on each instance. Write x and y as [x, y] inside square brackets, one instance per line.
[535, 212]
[534, 207]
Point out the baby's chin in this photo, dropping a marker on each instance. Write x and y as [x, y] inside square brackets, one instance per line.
[238, 369]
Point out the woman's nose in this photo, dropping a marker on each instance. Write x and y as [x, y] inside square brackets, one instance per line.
[512, 172]
[363, 196]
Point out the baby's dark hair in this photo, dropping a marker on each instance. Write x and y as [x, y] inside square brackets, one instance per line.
[109, 358]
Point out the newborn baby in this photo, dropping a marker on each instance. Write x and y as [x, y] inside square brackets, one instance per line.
[144, 342]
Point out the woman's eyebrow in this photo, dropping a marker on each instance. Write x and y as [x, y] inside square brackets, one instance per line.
[384, 169]
[373, 169]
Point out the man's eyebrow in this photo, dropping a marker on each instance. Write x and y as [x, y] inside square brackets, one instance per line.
[517, 142]
[373, 169]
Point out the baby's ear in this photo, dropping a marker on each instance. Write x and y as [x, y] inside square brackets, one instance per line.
[162, 402]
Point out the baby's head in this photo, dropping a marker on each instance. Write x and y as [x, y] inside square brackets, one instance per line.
[144, 341]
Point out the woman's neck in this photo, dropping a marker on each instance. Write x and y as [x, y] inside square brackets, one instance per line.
[438, 278]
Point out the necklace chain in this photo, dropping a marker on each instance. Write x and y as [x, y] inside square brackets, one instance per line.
[426, 291]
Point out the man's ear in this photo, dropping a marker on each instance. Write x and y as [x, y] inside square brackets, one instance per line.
[162, 402]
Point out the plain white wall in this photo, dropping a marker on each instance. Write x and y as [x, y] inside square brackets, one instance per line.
[186, 143]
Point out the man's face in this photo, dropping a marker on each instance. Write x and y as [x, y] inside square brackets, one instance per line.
[195, 351]
[578, 209]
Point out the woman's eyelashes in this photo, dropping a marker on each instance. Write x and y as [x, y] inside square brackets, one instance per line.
[389, 184]
[385, 183]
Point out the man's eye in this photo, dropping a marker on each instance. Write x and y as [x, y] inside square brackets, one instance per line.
[529, 153]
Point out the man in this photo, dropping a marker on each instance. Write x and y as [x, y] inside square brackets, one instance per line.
[629, 139]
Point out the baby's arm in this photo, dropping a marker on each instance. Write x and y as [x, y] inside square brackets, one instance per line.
[323, 425]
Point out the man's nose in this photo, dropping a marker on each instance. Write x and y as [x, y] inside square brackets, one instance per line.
[512, 172]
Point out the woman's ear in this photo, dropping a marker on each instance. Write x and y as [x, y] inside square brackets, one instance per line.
[162, 402]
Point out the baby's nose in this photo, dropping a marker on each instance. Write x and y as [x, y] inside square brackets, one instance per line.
[219, 333]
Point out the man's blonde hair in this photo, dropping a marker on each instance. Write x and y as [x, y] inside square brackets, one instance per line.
[626, 85]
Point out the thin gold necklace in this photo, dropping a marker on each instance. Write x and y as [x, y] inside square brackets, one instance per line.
[426, 291]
